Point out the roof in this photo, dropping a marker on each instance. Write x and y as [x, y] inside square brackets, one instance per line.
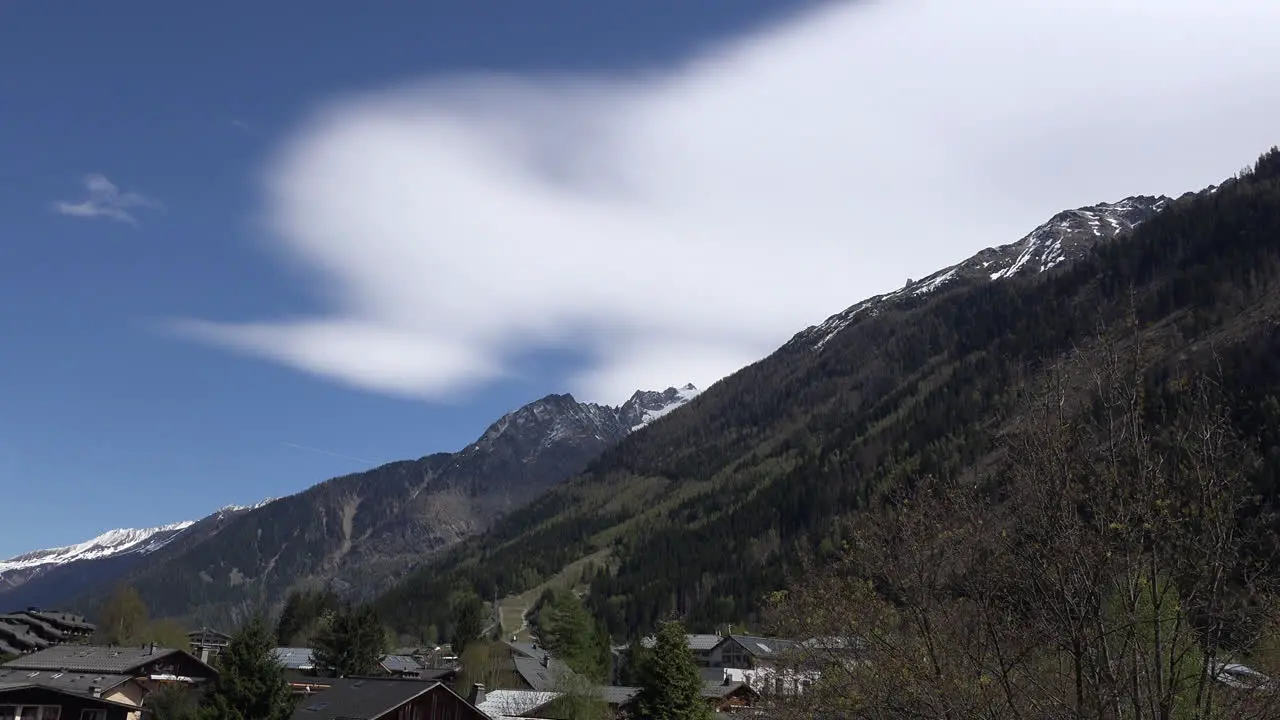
[508, 703]
[696, 642]
[361, 698]
[763, 647]
[400, 664]
[294, 658]
[6, 686]
[532, 650]
[538, 676]
[21, 636]
[617, 694]
[205, 634]
[79, 683]
[34, 623]
[58, 617]
[712, 689]
[96, 658]
[7, 649]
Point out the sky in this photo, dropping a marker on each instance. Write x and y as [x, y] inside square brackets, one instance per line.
[245, 247]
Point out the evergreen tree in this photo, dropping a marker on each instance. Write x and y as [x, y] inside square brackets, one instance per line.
[631, 668]
[468, 623]
[352, 644]
[670, 684]
[251, 683]
[567, 628]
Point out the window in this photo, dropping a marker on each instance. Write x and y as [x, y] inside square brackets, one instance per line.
[93, 715]
[30, 712]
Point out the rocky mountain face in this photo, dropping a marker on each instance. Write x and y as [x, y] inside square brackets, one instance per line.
[708, 512]
[1064, 238]
[47, 578]
[359, 533]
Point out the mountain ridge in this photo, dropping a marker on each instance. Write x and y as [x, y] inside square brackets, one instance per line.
[359, 532]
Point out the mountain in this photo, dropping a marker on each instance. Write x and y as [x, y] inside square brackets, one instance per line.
[47, 578]
[1065, 238]
[359, 533]
[706, 512]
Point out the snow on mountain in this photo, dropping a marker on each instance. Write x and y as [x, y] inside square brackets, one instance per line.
[1066, 237]
[646, 405]
[135, 541]
[113, 542]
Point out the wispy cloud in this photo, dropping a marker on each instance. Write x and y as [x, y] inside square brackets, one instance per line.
[330, 453]
[239, 124]
[105, 201]
[675, 227]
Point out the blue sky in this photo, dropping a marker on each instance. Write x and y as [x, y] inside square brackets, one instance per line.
[230, 230]
[106, 420]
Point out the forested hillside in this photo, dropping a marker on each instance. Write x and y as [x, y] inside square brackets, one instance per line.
[706, 512]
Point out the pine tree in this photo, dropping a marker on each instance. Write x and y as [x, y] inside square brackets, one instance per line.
[353, 644]
[468, 623]
[251, 683]
[670, 684]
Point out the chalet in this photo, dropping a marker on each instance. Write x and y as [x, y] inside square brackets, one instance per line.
[30, 701]
[207, 643]
[701, 645]
[119, 674]
[27, 633]
[72, 626]
[302, 674]
[385, 699]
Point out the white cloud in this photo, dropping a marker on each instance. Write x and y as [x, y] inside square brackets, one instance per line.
[674, 227]
[105, 200]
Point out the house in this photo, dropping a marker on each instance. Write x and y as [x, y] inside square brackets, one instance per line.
[120, 674]
[26, 633]
[385, 699]
[207, 644]
[30, 701]
[72, 626]
[300, 670]
[17, 638]
[701, 645]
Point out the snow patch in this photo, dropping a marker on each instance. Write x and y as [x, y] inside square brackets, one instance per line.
[113, 542]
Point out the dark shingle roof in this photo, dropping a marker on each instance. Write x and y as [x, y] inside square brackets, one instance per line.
[531, 650]
[91, 658]
[538, 676]
[400, 664]
[21, 636]
[720, 689]
[79, 683]
[39, 626]
[58, 618]
[617, 694]
[6, 686]
[361, 699]
[7, 649]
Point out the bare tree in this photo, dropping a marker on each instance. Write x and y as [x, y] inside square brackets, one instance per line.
[1109, 569]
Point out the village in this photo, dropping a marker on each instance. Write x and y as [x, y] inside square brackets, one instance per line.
[56, 672]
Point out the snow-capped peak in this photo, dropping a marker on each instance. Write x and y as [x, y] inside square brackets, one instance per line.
[1066, 237]
[647, 405]
[112, 542]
